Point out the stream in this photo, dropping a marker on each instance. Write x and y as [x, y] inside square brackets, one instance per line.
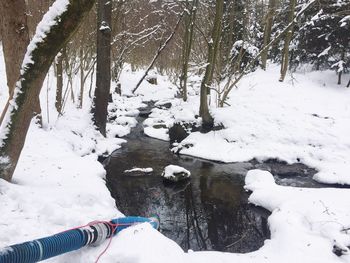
[208, 212]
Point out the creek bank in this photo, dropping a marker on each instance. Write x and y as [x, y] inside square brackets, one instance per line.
[208, 212]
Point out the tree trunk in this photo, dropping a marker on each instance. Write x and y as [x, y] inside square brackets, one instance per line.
[15, 38]
[267, 31]
[59, 84]
[339, 77]
[82, 78]
[20, 112]
[287, 39]
[207, 119]
[14, 30]
[187, 46]
[103, 73]
[340, 73]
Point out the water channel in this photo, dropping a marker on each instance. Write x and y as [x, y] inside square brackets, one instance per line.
[208, 212]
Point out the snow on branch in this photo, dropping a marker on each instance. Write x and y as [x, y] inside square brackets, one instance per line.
[45, 25]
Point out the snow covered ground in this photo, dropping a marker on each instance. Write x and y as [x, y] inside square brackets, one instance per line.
[59, 184]
[305, 119]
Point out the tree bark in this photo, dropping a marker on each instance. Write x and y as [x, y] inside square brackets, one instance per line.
[103, 73]
[14, 30]
[82, 77]
[267, 31]
[20, 112]
[190, 19]
[287, 40]
[15, 38]
[207, 119]
[59, 84]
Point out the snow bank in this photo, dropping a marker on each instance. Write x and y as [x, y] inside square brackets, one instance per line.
[306, 119]
[148, 92]
[58, 184]
[304, 221]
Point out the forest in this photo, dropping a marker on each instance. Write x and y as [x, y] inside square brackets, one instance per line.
[226, 120]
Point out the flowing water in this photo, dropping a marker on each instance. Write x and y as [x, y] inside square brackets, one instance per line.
[208, 212]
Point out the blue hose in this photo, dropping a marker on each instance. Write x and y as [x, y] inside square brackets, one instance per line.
[44, 248]
[125, 222]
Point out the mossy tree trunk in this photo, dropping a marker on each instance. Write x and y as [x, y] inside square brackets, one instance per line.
[213, 47]
[18, 118]
[103, 73]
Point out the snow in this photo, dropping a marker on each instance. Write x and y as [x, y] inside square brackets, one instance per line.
[104, 26]
[324, 52]
[339, 66]
[315, 218]
[49, 20]
[171, 170]
[161, 134]
[55, 188]
[148, 92]
[250, 49]
[59, 184]
[345, 21]
[306, 119]
[142, 170]
[305, 225]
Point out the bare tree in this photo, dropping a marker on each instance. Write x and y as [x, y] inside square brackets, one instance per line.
[20, 112]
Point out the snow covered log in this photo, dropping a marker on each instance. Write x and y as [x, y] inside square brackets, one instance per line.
[56, 28]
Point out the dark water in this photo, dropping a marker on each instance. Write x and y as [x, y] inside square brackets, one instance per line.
[208, 212]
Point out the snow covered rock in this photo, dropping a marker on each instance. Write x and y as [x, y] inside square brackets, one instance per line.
[181, 130]
[139, 171]
[175, 173]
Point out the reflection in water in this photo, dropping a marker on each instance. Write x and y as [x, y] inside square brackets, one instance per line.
[208, 212]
